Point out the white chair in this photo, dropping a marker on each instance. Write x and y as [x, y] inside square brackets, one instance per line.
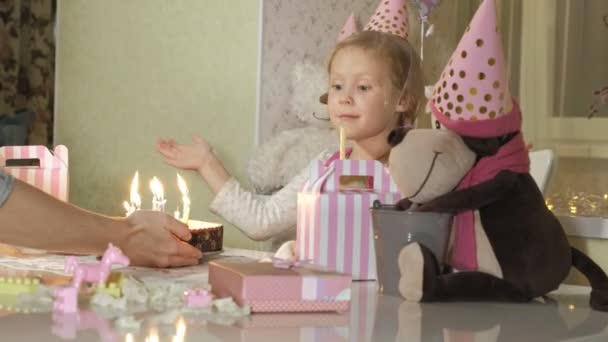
[541, 163]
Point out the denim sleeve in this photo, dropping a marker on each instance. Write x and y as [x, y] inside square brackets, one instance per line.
[6, 186]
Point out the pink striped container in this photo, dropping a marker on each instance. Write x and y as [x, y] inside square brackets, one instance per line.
[266, 288]
[48, 173]
[334, 226]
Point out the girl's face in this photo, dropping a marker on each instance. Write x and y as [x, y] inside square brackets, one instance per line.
[362, 98]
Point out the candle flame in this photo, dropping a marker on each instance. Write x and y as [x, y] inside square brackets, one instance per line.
[183, 189]
[134, 196]
[157, 188]
[127, 206]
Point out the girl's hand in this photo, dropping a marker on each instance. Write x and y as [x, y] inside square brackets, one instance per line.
[185, 156]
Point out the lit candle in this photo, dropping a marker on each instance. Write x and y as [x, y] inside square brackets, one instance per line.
[134, 198]
[342, 144]
[158, 195]
[183, 188]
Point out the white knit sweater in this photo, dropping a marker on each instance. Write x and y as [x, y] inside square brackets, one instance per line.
[262, 217]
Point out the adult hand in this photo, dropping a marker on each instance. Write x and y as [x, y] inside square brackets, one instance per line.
[158, 240]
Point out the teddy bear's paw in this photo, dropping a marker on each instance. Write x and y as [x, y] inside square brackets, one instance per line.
[287, 251]
[411, 268]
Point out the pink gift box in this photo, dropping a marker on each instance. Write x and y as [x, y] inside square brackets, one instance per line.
[266, 288]
[37, 166]
[334, 226]
[354, 326]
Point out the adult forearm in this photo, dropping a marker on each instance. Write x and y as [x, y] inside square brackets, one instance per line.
[31, 218]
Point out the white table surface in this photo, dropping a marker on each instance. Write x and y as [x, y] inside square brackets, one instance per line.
[566, 317]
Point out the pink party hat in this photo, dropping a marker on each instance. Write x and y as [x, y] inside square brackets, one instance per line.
[390, 17]
[472, 96]
[350, 27]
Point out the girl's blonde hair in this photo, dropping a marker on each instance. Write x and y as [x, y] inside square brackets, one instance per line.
[403, 62]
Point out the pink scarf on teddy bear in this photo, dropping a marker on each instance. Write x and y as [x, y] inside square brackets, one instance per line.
[511, 156]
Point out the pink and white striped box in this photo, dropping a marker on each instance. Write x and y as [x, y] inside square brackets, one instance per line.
[266, 288]
[334, 226]
[49, 175]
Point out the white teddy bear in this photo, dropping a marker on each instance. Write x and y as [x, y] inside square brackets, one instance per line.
[275, 162]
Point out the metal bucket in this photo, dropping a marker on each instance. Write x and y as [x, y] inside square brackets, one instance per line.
[394, 229]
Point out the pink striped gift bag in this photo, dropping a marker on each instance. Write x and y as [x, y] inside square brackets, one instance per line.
[334, 226]
[37, 166]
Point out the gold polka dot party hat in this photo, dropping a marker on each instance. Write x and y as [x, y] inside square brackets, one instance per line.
[472, 96]
[390, 17]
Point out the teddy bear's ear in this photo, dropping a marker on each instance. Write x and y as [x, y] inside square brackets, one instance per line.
[323, 98]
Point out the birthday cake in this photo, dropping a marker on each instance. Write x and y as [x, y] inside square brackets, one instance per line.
[206, 236]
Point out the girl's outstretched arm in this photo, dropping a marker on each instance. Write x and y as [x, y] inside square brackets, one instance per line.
[197, 156]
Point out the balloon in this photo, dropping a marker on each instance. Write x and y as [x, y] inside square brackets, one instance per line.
[426, 7]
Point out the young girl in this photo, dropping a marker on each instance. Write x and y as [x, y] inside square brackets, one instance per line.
[375, 86]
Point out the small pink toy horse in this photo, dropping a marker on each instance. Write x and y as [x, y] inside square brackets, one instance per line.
[95, 273]
[66, 298]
